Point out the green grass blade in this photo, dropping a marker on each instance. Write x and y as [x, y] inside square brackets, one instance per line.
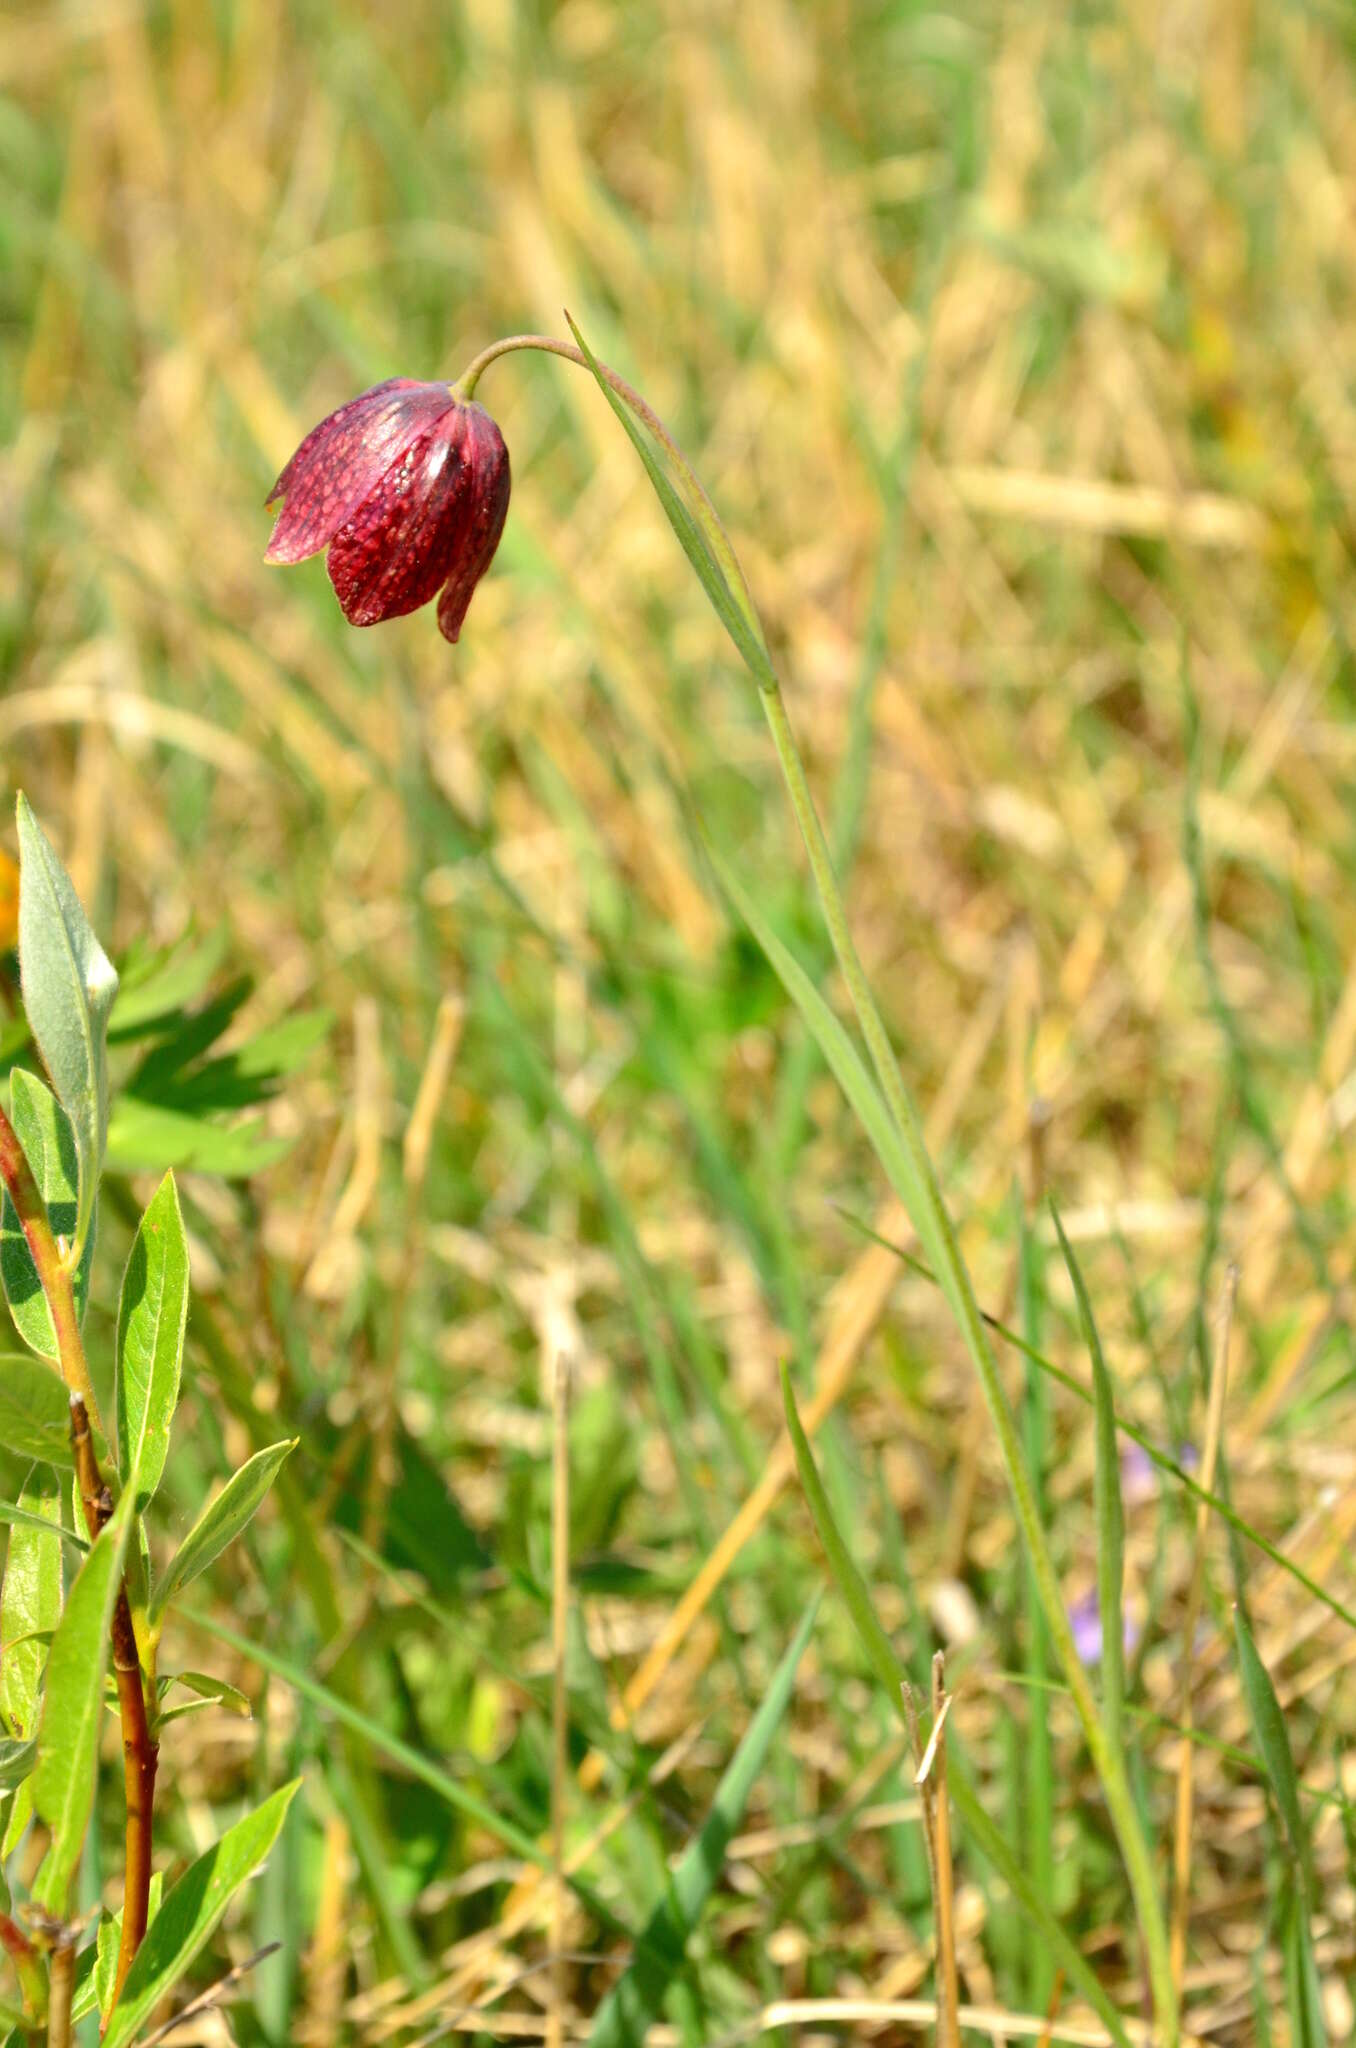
[1303, 1991]
[390, 1746]
[1037, 1775]
[847, 1578]
[1109, 1509]
[634, 2002]
[1273, 1745]
[840, 1054]
[888, 1670]
[1159, 1458]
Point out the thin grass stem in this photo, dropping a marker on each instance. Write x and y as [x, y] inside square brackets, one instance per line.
[1182, 1824]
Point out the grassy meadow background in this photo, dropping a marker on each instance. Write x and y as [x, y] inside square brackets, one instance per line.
[1015, 344]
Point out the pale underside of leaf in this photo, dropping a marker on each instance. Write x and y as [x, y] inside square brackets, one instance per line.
[68, 987]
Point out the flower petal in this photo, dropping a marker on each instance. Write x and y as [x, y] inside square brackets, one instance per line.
[487, 459]
[341, 462]
[399, 544]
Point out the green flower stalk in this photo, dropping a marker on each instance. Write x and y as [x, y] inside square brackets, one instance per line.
[905, 1155]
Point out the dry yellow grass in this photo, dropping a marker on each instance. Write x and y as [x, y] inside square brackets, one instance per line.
[1012, 344]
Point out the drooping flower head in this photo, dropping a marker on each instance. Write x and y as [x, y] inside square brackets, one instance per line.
[408, 487]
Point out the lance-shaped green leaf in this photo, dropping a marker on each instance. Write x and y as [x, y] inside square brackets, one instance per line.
[152, 1316]
[220, 1523]
[68, 989]
[634, 2001]
[190, 1912]
[698, 532]
[1268, 1729]
[97, 1987]
[16, 1762]
[30, 1600]
[35, 1410]
[44, 1130]
[16, 1818]
[209, 1691]
[12, 1516]
[841, 1056]
[68, 1734]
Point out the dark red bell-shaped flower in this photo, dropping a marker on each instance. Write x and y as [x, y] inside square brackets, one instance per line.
[408, 487]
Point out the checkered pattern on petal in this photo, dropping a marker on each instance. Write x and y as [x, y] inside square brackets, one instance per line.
[343, 460]
[398, 546]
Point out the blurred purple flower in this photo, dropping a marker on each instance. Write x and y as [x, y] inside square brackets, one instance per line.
[1139, 1474]
[1086, 1622]
[408, 488]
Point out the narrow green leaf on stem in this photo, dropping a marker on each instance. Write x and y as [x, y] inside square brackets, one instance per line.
[68, 989]
[30, 1599]
[72, 1713]
[210, 1691]
[1108, 1507]
[16, 1762]
[96, 1988]
[880, 1655]
[220, 1523]
[44, 1130]
[13, 1516]
[190, 1911]
[35, 1410]
[152, 1316]
[635, 2000]
[699, 535]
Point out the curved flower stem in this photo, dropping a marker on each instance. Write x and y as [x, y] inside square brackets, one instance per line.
[718, 539]
[931, 1216]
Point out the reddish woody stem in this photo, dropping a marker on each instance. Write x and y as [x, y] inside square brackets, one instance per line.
[61, 1991]
[140, 1751]
[53, 1272]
